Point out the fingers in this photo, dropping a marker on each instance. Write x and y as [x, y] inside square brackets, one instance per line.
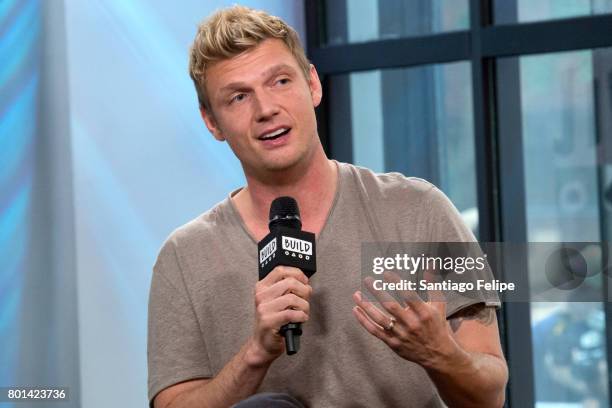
[282, 280]
[406, 318]
[275, 320]
[282, 297]
[410, 297]
[278, 289]
[288, 301]
[412, 331]
[385, 299]
[282, 310]
[430, 277]
[436, 298]
[272, 322]
[291, 296]
[370, 326]
[413, 316]
[371, 311]
[282, 272]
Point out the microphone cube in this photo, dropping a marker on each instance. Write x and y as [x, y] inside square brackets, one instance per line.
[288, 247]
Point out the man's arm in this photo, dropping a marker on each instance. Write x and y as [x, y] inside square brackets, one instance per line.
[281, 297]
[462, 356]
[239, 379]
[475, 374]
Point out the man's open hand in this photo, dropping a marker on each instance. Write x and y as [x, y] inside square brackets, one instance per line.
[418, 332]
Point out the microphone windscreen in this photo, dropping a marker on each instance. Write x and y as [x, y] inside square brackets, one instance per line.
[284, 207]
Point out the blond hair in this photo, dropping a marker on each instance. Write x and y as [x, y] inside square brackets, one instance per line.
[234, 30]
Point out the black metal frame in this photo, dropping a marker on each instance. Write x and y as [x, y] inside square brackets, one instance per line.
[496, 153]
[485, 42]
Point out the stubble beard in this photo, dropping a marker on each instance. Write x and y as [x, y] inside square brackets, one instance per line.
[282, 165]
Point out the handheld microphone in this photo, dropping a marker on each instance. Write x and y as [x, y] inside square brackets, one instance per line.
[288, 245]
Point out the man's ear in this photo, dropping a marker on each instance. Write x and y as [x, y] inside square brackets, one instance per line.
[211, 124]
[316, 90]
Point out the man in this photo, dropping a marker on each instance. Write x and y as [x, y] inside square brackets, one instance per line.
[214, 329]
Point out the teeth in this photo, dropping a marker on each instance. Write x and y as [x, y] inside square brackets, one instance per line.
[276, 133]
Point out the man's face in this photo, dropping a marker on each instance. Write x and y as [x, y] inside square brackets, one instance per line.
[264, 107]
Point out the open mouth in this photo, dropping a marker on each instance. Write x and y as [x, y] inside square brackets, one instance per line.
[276, 134]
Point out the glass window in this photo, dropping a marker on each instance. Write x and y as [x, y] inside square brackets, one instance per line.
[354, 21]
[417, 121]
[566, 121]
[523, 11]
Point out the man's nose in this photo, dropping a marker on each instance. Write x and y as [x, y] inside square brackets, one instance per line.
[266, 106]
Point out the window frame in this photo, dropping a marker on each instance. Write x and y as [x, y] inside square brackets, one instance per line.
[500, 197]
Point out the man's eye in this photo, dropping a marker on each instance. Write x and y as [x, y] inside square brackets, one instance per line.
[283, 81]
[238, 97]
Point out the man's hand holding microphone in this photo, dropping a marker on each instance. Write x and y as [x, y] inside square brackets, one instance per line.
[287, 259]
[280, 298]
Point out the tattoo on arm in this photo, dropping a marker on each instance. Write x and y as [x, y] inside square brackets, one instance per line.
[480, 312]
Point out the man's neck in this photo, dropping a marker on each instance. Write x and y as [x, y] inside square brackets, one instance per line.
[313, 187]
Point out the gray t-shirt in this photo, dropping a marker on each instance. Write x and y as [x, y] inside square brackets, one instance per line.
[201, 307]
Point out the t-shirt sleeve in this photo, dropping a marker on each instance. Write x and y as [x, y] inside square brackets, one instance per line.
[176, 350]
[447, 226]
